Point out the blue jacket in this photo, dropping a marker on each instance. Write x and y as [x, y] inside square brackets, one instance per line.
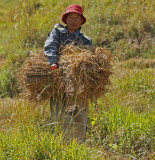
[61, 36]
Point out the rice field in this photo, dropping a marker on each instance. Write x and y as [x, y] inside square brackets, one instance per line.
[121, 123]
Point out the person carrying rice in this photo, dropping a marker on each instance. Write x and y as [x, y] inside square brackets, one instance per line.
[72, 114]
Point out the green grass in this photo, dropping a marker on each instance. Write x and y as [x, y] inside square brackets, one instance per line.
[123, 120]
[120, 126]
[30, 142]
[122, 130]
[24, 135]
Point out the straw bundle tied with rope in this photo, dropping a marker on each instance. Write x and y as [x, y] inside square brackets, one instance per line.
[84, 74]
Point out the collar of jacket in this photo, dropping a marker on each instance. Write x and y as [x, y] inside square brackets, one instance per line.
[65, 30]
[76, 33]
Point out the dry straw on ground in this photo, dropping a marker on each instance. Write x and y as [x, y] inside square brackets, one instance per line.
[84, 74]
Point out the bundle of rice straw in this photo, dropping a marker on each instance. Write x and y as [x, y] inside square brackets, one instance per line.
[36, 78]
[84, 74]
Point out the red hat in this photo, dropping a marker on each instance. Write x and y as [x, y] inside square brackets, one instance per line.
[76, 9]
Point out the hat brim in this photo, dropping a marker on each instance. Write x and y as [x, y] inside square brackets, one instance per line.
[65, 16]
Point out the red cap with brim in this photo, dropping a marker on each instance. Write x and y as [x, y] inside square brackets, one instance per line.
[76, 9]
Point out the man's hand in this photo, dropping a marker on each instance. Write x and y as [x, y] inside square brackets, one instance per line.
[54, 66]
[55, 71]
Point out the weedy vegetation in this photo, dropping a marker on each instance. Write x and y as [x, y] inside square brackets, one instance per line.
[121, 124]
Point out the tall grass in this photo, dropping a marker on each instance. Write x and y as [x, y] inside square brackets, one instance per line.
[120, 125]
[135, 87]
[24, 135]
[123, 121]
[121, 130]
[30, 142]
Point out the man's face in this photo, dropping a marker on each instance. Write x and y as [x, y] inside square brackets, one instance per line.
[74, 21]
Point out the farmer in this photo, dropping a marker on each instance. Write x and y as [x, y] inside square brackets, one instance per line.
[76, 116]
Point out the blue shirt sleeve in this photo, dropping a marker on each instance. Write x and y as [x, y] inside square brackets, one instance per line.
[89, 42]
[51, 46]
